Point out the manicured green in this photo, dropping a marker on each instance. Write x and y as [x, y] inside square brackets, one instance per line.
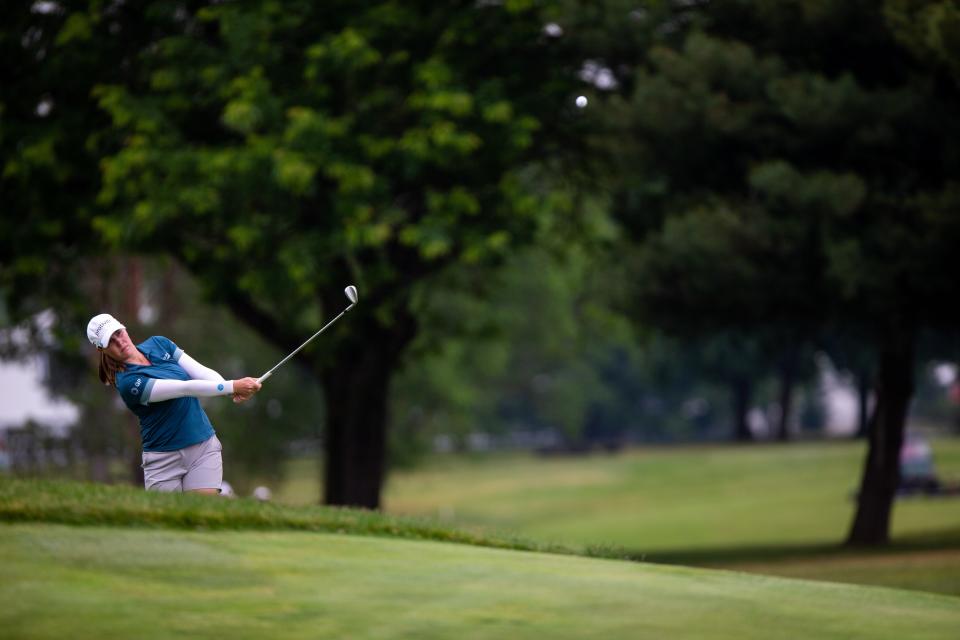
[106, 582]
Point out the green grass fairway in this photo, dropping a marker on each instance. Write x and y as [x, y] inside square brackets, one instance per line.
[670, 499]
[59, 581]
[780, 509]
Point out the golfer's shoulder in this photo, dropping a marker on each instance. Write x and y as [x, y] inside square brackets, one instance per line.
[125, 380]
[159, 343]
[122, 376]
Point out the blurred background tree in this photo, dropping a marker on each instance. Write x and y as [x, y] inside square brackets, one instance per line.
[797, 169]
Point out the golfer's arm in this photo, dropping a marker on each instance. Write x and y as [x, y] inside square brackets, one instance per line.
[161, 390]
[196, 370]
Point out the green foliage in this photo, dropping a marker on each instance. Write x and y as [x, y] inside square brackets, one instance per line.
[776, 171]
[930, 29]
[48, 177]
[505, 372]
[356, 145]
[349, 138]
[580, 370]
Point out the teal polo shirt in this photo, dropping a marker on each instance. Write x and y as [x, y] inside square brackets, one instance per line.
[171, 424]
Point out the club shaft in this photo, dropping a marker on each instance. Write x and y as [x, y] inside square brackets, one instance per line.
[295, 351]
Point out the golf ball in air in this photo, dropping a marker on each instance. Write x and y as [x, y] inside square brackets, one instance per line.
[581, 101]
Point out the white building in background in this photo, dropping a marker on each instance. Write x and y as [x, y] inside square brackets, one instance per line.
[23, 397]
[837, 391]
[841, 400]
[23, 394]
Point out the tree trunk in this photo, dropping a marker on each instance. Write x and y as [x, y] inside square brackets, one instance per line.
[357, 389]
[741, 393]
[863, 397]
[881, 473]
[788, 375]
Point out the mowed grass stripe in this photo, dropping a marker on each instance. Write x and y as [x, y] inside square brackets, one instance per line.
[105, 582]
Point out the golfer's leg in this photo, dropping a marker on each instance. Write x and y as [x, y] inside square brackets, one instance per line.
[163, 471]
[205, 467]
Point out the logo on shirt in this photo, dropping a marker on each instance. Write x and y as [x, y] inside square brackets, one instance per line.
[135, 390]
[166, 356]
[219, 387]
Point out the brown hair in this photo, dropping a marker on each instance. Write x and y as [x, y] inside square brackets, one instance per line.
[109, 368]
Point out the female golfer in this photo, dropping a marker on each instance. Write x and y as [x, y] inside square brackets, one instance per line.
[160, 384]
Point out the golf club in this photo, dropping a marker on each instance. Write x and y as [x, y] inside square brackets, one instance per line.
[351, 292]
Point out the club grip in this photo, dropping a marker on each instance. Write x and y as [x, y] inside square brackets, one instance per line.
[264, 377]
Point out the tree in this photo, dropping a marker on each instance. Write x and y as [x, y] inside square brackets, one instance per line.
[800, 171]
[283, 151]
[49, 175]
[508, 373]
[727, 236]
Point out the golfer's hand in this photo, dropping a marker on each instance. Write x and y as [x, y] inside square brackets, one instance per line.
[244, 388]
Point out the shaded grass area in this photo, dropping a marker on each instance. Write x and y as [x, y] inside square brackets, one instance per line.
[934, 570]
[946, 540]
[924, 562]
[120, 582]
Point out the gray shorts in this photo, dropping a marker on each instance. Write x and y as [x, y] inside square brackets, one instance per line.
[199, 466]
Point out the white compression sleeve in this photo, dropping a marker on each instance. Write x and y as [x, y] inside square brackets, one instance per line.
[196, 370]
[161, 390]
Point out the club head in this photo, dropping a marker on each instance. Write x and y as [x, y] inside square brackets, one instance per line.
[351, 292]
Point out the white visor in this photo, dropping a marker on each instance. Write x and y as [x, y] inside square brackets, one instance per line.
[100, 328]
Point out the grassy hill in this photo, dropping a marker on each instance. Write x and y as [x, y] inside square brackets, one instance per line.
[779, 509]
[152, 566]
[80, 503]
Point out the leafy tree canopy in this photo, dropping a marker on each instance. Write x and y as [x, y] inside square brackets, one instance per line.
[283, 150]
